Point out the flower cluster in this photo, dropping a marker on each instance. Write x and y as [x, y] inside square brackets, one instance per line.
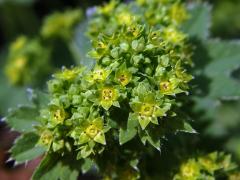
[132, 90]
[60, 25]
[167, 15]
[27, 60]
[209, 166]
[30, 59]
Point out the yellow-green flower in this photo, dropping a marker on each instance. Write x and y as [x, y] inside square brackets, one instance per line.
[15, 69]
[98, 75]
[108, 97]
[58, 115]
[46, 138]
[90, 130]
[188, 171]
[134, 30]
[173, 36]
[170, 87]
[69, 74]
[123, 75]
[108, 8]
[100, 49]
[125, 18]
[178, 13]
[147, 109]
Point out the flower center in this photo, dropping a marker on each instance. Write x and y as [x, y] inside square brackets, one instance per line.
[147, 109]
[98, 74]
[165, 86]
[92, 131]
[107, 94]
[46, 138]
[59, 115]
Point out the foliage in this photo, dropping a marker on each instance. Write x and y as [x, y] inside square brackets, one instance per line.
[155, 68]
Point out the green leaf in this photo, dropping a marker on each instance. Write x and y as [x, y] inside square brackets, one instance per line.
[199, 22]
[83, 44]
[25, 149]
[10, 96]
[127, 134]
[151, 136]
[225, 59]
[187, 128]
[23, 119]
[87, 165]
[216, 61]
[39, 98]
[55, 167]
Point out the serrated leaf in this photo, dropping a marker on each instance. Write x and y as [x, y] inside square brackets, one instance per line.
[55, 167]
[127, 134]
[25, 149]
[225, 58]
[23, 119]
[198, 24]
[215, 63]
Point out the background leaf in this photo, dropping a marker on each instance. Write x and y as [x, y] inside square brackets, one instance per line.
[23, 119]
[25, 149]
[198, 24]
[83, 43]
[53, 168]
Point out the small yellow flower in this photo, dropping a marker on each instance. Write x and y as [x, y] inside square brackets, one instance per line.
[125, 18]
[108, 8]
[123, 77]
[68, 74]
[98, 75]
[92, 131]
[190, 170]
[59, 115]
[173, 36]
[147, 109]
[165, 86]
[15, 69]
[178, 13]
[46, 138]
[108, 97]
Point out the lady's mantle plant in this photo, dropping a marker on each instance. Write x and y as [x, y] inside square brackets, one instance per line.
[113, 115]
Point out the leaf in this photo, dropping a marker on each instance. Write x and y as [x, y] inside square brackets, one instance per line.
[83, 44]
[39, 98]
[199, 22]
[23, 119]
[55, 167]
[225, 59]
[187, 128]
[151, 136]
[87, 165]
[10, 96]
[127, 134]
[25, 149]
[216, 61]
